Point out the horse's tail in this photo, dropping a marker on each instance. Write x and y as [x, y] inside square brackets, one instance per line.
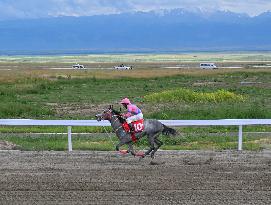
[168, 131]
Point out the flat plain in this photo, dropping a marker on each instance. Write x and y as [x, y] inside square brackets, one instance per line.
[45, 87]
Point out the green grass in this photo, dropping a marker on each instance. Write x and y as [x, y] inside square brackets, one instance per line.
[52, 129]
[34, 98]
[87, 129]
[186, 95]
[187, 142]
[247, 110]
[58, 143]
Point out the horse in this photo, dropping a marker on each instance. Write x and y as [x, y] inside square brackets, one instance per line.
[152, 129]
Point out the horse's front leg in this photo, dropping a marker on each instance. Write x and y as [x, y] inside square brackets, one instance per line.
[119, 145]
[131, 149]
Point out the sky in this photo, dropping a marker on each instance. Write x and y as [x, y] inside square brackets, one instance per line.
[25, 9]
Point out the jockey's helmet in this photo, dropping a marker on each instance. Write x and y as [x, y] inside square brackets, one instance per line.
[125, 101]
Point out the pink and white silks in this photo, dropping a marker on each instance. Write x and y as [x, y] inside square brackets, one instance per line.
[133, 113]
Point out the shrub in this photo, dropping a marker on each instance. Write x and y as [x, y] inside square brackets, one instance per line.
[186, 95]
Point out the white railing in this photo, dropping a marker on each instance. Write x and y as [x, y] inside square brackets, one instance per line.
[174, 123]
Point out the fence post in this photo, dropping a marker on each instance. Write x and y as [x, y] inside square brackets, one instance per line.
[240, 138]
[69, 138]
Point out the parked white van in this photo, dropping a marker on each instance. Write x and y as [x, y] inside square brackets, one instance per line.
[208, 66]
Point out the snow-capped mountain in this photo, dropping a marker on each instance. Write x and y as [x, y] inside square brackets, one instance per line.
[162, 30]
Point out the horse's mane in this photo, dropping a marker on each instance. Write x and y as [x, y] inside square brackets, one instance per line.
[118, 114]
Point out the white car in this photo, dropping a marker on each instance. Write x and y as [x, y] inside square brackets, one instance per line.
[123, 67]
[78, 66]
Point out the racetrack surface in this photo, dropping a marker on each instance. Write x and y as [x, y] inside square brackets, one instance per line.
[173, 177]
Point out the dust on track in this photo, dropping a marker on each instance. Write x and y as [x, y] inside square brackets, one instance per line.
[173, 177]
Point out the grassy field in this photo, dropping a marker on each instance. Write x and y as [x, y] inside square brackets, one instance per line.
[189, 141]
[164, 86]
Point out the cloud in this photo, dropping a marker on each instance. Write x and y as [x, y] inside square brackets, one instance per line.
[251, 7]
[14, 9]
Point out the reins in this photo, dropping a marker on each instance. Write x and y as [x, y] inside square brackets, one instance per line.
[114, 122]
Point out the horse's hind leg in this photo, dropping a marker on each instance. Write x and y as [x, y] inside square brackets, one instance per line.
[151, 142]
[159, 144]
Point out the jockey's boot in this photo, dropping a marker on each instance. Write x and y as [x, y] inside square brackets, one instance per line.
[132, 129]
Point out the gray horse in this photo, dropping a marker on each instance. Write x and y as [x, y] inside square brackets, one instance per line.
[152, 128]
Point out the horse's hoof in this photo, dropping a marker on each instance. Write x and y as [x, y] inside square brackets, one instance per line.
[140, 154]
[141, 158]
[123, 152]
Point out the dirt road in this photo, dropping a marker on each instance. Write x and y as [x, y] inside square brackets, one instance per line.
[185, 177]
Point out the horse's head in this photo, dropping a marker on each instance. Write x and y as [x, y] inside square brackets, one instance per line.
[105, 115]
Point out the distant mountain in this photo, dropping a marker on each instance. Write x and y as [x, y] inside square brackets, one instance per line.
[165, 30]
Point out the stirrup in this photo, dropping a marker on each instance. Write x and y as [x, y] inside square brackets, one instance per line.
[132, 130]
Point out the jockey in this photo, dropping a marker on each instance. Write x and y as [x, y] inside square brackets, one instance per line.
[133, 112]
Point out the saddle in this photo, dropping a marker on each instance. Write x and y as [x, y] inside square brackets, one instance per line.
[138, 127]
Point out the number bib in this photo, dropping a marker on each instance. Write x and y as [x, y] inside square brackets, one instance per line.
[138, 125]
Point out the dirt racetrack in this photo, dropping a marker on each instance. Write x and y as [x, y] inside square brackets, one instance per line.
[173, 177]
